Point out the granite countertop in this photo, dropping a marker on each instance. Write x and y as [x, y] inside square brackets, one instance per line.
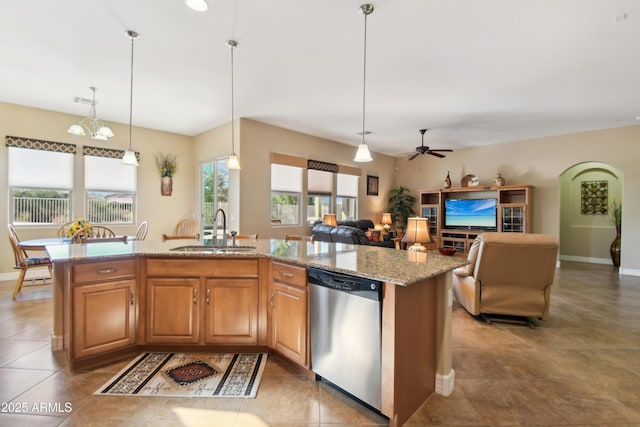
[386, 264]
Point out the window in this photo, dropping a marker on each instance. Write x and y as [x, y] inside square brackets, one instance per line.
[39, 195]
[110, 187]
[215, 194]
[286, 191]
[347, 197]
[319, 194]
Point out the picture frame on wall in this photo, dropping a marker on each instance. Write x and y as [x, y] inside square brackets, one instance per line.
[372, 185]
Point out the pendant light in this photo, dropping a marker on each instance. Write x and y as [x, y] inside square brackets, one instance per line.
[92, 124]
[232, 162]
[129, 157]
[363, 154]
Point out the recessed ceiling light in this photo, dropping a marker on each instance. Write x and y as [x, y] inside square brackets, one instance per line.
[198, 5]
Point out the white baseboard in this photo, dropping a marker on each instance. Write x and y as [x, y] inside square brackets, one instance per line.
[629, 272]
[586, 259]
[445, 383]
[31, 274]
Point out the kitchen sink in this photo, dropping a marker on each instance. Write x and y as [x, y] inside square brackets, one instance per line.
[214, 248]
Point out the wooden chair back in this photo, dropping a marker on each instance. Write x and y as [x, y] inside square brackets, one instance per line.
[97, 234]
[297, 237]
[141, 232]
[184, 229]
[244, 236]
[62, 231]
[23, 262]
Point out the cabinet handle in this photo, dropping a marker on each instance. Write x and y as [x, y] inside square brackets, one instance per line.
[132, 299]
[195, 295]
[208, 294]
[107, 270]
[287, 274]
[271, 303]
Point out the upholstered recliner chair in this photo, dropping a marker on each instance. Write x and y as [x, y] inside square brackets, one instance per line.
[509, 274]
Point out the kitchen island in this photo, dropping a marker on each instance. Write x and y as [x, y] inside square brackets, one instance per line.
[113, 300]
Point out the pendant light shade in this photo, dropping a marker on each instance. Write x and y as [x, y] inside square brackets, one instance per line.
[129, 157]
[232, 162]
[92, 124]
[197, 5]
[363, 154]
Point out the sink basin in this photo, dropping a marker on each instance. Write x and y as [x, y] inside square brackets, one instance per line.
[213, 249]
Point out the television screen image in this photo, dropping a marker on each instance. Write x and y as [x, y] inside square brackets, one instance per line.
[471, 213]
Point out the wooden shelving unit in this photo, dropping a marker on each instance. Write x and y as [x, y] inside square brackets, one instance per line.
[514, 212]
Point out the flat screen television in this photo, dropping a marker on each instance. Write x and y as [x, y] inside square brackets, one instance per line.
[471, 213]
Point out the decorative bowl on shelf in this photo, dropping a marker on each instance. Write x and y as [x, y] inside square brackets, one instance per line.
[447, 251]
[469, 180]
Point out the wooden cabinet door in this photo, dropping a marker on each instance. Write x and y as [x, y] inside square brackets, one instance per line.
[231, 311]
[289, 322]
[103, 317]
[172, 310]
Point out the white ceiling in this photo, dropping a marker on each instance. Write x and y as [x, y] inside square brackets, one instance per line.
[474, 72]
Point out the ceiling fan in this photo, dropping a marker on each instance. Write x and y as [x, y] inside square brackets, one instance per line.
[426, 150]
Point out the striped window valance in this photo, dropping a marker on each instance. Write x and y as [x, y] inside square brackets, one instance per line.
[111, 153]
[39, 144]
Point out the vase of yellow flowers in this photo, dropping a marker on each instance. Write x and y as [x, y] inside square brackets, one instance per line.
[167, 166]
[77, 225]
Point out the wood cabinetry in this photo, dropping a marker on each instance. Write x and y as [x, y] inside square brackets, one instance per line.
[102, 315]
[288, 309]
[514, 212]
[213, 301]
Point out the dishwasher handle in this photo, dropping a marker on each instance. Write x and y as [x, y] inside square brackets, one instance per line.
[367, 288]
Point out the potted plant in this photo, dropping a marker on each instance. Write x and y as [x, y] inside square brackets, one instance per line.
[167, 166]
[401, 206]
[616, 218]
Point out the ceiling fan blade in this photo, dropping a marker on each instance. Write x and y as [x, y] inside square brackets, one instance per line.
[436, 154]
[444, 149]
[414, 156]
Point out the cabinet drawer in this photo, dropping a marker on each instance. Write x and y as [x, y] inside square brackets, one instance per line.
[287, 273]
[227, 267]
[101, 271]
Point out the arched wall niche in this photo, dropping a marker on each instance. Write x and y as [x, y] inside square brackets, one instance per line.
[586, 229]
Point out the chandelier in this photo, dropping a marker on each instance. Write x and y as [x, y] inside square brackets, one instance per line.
[92, 124]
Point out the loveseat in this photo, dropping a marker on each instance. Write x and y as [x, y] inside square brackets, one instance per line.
[509, 274]
[353, 232]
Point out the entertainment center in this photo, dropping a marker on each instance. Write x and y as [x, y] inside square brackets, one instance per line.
[457, 215]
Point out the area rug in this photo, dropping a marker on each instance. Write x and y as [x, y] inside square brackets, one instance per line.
[189, 375]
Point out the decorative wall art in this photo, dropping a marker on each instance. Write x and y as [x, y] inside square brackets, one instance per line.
[372, 185]
[594, 198]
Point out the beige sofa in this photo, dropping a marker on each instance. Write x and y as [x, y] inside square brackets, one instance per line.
[510, 274]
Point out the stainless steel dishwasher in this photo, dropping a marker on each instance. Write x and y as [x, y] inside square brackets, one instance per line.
[345, 328]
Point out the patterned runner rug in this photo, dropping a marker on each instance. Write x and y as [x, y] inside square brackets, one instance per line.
[189, 375]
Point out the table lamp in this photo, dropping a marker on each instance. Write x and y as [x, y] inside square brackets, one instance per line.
[386, 221]
[417, 233]
[330, 219]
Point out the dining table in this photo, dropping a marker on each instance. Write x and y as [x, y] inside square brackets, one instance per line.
[41, 244]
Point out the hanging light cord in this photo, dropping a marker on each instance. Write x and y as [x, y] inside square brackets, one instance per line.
[133, 36]
[233, 133]
[364, 76]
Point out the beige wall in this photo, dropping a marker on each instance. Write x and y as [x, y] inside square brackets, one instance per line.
[162, 212]
[540, 162]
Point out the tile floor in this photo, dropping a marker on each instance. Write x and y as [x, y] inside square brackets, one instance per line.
[579, 368]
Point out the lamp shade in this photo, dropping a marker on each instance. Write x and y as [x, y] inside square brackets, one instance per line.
[386, 219]
[417, 233]
[233, 163]
[129, 158]
[330, 219]
[363, 154]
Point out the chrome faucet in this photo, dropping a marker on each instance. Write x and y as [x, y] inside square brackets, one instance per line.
[214, 238]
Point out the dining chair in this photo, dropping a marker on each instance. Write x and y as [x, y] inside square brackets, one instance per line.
[141, 232]
[62, 231]
[24, 262]
[297, 237]
[244, 236]
[97, 234]
[184, 229]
